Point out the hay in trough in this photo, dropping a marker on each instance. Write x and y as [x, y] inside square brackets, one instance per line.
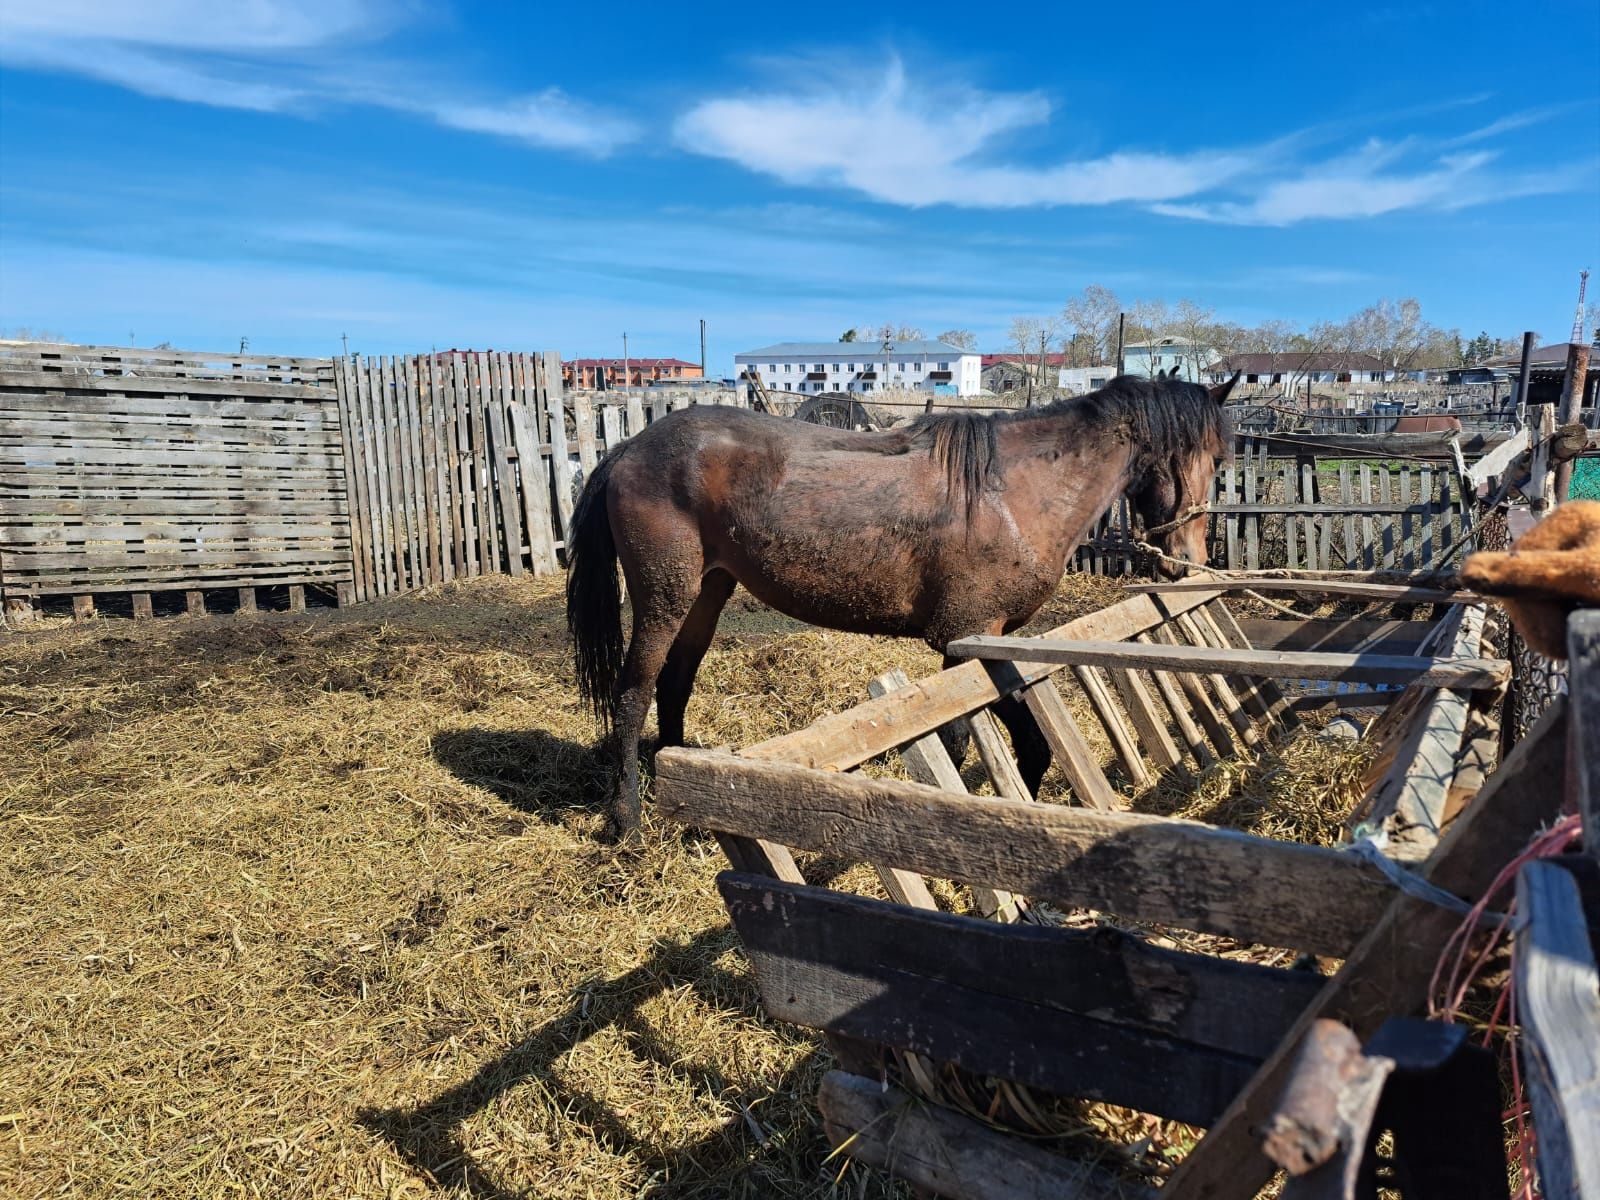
[300, 906]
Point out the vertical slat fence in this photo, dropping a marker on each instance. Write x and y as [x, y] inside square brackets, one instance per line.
[469, 463]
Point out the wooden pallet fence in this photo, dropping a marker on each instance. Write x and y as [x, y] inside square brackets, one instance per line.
[1312, 511]
[138, 471]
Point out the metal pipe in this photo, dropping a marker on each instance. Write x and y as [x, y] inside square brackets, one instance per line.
[1522, 379]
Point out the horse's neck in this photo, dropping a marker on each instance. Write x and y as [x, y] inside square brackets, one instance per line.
[1072, 467]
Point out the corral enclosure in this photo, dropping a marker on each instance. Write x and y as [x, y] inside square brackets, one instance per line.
[312, 902]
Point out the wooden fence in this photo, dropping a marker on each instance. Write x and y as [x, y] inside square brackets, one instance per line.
[1323, 509]
[148, 471]
[140, 471]
[465, 464]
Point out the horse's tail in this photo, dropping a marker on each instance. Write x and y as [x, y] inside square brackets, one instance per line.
[594, 596]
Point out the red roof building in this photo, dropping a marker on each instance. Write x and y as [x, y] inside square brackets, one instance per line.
[595, 373]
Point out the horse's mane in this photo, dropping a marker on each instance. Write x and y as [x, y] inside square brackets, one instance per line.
[1163, 417]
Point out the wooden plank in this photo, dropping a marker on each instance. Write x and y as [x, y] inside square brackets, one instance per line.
[239, 530]
[1434, 445]
[535, 492]
[560, 463]
[1558, 1002]
[1194, 741]
[1123, 743]
[1163, 639]
[1389, 972]
[1229, 496]
[927, 761]
[355, 481]
[1430, 757]
[183, 412]
[510, 515]
[635, 414]
[1250, 694]
[461, 375]
[194, 603]
[1067, 743]
[1384, 593]
[1147, 723]
[455, 564]
[1256, 889]
[416, 498]
[611, 419]
[1227, 698]
[82, 607]
[1338, 634]
[1368, 551]
[142, 609]
[1059, 1012]
[933, 1148]
[57, 381]
[1252, 525]
[583, 418]
[1223, 619]
[997, 758]
[297, 598]
[844, 740]
[215, 577]
[482, 496]
[247, 600]
[163, 555]
[173, 456]
[422, 374]
[1116, 977]
[377, 478]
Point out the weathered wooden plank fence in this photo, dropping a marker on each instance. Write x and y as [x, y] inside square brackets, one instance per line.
[142, 471]
[1318, 507]
[139, 471]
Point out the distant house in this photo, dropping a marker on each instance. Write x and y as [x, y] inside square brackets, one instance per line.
[1547, 371]
[1078, 381]
[1152, 358]
[1291, 371]
[921, 364]
[596, 373]
[1010, 372]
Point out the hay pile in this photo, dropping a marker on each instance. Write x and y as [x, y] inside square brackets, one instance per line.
[311, 906]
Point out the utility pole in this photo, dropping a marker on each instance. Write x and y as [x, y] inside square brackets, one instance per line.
[1121, 322]
[888, 349]
[702, 347]
[344, 341]
[627, 375]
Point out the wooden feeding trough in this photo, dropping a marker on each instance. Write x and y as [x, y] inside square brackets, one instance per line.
[906, 992]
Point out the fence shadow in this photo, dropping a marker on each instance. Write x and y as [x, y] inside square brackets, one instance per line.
[429, 1135]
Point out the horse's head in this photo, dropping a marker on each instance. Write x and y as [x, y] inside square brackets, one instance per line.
[1171, 485]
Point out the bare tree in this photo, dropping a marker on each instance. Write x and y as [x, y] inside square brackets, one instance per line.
[1092, 316]
[963, 339]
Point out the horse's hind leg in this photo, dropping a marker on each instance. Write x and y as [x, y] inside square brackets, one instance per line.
[676, 681]
[659, 613]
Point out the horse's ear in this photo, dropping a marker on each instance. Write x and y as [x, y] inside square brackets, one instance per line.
[1220, 392]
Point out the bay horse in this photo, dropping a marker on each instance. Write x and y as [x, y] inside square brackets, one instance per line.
[956, 524]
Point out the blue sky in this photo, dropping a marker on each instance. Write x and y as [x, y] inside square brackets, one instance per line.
[419, 173]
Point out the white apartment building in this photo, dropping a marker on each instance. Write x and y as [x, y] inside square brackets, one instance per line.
[864, 367]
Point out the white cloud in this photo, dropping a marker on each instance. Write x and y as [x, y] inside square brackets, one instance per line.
[902, 142]
[550, 118]
[905, 141]
[277, 55]
[1352, 187]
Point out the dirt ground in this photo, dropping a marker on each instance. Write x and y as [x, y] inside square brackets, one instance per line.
[310, 906]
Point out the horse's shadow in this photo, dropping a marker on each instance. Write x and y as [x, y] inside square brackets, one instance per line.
[530, 770]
